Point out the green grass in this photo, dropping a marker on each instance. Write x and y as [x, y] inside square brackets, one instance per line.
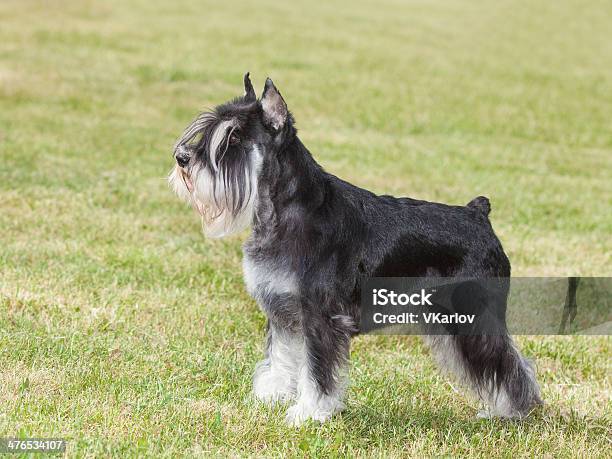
[125, 331]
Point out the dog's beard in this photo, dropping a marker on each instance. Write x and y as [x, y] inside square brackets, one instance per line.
[225, 207]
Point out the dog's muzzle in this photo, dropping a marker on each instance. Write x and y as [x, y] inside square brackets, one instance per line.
[182, 156]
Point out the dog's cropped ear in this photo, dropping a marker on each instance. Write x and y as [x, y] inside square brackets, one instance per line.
[274, 107]
[249, 92]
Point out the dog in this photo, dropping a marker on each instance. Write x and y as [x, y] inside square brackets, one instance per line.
[315, 238]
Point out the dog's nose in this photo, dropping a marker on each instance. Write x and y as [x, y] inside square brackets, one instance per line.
[182, 156]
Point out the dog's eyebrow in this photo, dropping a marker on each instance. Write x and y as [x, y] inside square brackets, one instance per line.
[202, 120]
[219, 135]
[227, 137]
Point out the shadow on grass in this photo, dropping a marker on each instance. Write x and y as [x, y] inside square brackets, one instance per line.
[443, 423]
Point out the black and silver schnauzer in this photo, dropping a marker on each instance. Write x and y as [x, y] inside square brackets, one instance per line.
[314, 240]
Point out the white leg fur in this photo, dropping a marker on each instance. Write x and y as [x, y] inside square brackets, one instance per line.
[311, 403]
[275, 377]
[498, 406]
[497, 401]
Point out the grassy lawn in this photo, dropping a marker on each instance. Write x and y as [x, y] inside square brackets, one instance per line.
[123, 330]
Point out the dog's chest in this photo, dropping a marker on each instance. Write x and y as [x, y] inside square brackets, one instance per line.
[266, 277]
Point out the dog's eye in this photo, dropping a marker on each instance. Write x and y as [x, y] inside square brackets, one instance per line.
[234, 139]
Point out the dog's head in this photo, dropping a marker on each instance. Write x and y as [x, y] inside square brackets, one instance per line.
[219, 157]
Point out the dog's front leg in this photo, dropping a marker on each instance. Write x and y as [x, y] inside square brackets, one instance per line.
[323, 375]
[276, 376]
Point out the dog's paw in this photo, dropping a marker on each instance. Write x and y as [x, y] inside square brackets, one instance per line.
[488, 413]
[271, 388]
[270, 395]
[299, 413]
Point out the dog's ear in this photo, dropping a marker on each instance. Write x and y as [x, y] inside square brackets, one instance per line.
[274, 107]
[249, 92]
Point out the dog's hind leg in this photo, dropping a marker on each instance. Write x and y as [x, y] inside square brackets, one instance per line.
[276, 376]
[493, 368]
[323, 376]
[571, 308]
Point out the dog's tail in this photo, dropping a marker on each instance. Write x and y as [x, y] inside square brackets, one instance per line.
[481, 204]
